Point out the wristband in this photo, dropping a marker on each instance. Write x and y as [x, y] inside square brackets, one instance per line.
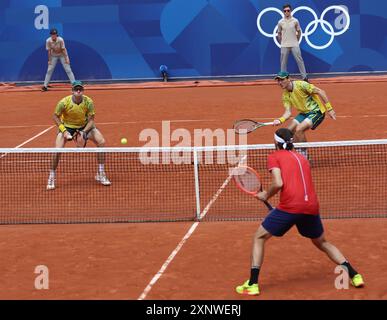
[282, 119]
[328, 106]
[62, 128]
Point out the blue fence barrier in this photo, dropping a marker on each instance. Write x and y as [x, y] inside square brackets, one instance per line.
[130, 39]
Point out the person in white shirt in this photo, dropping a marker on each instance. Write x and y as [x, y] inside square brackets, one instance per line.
[289, 33]
[56, 51]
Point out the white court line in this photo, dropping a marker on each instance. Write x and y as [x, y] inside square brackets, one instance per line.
[191, 230]
[30, 139]
[34, 137]
[23, 126]
[157, 276]
[215, 197]
[186, 120]
[158, 121]
[220, 190]
[114, 123]
[363, 116]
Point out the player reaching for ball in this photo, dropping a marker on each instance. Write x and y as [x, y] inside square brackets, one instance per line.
[311, 102]
[73, 115]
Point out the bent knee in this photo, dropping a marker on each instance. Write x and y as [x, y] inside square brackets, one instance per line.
[101, 143]
[261, 234]
[300, 128]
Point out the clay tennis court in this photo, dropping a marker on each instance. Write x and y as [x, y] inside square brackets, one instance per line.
[118, 261]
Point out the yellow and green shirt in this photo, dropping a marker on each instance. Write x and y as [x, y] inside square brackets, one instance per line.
[74, 115]
[302, 98]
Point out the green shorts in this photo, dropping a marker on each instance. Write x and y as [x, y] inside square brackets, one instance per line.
[315, 116]
[73, 130]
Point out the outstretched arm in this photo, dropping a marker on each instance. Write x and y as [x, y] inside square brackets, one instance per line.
[283, 118]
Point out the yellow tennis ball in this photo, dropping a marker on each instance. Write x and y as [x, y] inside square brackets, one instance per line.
[124, 141]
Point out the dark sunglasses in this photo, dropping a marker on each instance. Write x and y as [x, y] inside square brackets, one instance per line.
[287, 10]
[78, 89]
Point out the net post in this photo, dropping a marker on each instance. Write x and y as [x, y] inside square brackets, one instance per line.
[197, 189]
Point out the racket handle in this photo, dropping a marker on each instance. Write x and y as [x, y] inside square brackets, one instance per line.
[268, 205]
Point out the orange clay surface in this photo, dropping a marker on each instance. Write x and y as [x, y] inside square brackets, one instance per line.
[117, 261]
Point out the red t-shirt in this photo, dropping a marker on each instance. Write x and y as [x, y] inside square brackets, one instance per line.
[297, 193]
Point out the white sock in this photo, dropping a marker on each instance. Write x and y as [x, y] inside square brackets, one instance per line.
[101, 168]
[52, 174]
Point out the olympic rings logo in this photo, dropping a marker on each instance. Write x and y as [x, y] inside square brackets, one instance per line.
[311, 27]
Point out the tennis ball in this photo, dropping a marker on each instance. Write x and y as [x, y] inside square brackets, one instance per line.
[124, 141]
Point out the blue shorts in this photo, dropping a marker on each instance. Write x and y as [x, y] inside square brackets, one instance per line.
[315, 116]
[279, 222]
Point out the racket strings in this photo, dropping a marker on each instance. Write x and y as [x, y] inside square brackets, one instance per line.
[246, 125]
[249, 181]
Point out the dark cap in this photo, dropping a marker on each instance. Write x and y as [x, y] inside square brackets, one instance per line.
[282, 75]
[77, 83]
[53, 31]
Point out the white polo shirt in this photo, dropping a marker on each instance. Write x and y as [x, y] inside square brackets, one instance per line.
[56, 47]
[287, 28]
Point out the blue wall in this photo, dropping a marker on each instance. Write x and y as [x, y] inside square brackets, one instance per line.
[121, 39]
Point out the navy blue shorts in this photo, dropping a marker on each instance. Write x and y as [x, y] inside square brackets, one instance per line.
[279, 222]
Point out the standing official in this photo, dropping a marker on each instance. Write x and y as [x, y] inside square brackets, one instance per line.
[56, 49]
[289, 33]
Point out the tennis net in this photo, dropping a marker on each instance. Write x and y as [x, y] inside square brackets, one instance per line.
[177, 184]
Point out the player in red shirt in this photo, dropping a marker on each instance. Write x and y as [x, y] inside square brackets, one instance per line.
[298, 206]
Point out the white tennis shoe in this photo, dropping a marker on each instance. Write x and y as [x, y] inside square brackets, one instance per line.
[51, 183]
[102, 178]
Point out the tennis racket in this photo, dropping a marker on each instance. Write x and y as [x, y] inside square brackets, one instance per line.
[248, 180]
[246, 125]
[80, 138]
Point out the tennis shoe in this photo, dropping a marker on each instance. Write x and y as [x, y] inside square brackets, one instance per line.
[102, 178]
[51, 184]
[44, 88]
[251, 290]
[357, 281]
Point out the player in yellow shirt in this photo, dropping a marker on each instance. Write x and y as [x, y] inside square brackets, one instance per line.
[311, 102]
[76, 113]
